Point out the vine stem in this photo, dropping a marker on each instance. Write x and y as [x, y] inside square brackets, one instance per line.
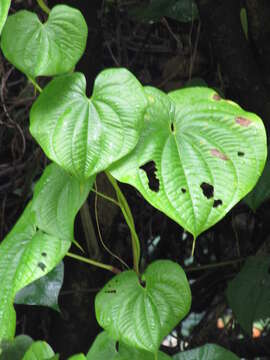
[43, 6]
[94, 263]
[136, 249]
[213, 266]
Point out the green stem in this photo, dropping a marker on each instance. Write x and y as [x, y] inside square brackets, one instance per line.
[94, 263]
[89, 231]
[106, 197]
[43, 6]
[193, 246]
[37, 87]
[136, 249]
[213, 266]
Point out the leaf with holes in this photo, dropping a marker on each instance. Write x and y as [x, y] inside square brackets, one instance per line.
[207, 352]
[31, 249]
[198, 155]
[141, 314]
[248, 293]
[15, 349]
[4, 7]
[44, 291]
[47, 49]
[104, 347]
[261, 192]
[82, 135]
[39, 350]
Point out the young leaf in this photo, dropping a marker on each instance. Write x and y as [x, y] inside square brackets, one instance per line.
[104, 347]
[248, 293]
[15, 349]
[207, 352]
[82, 135]
[77, 357]
[47, 49]
[39, 350]
[44, 291]
[31, 249]
[198, 155]
[4, 7]
[142, 313]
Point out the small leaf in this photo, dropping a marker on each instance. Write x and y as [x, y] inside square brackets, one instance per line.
[15, 349]
[4, 7]
[193, 139]
[77, 357]
[105, 347]
[248, 293]
[22, 252]
[39, 350]
[261, 192]
[46, 49]
[82, 135]
[141, 314]
[44, 291]
[207, 352]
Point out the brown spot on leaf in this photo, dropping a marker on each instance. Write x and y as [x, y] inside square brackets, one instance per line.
[216, 97]
[243, 121]
[117, 346]
[218, 154]
[172, 127]
[207, 189]
[183, 190]
[217, 203]
[150, 170]
[42, 266]
[44, 254]
[110, 291]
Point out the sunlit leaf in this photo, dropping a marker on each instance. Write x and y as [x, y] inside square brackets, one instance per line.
[4, 7]
[47, 49]
[207, 352]
[39, 350]
[141, 314]
[198, 155]
[82, 135]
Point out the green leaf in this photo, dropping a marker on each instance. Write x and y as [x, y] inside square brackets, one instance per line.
[180, 10]
[207, 352]
[44, 291]
[104, 347]
[198, 155]
[4, 7]
[142, 314]
[244, 21]
[28, 252]
[15, 349]
[261, 192]
[46, 49]
[248, 293]
[39, 350]
[82, 135]
[77, 357]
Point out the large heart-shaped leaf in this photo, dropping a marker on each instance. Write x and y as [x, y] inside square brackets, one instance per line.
[207, 352]
[28, 253]
[85, 135]
[142, 313]
[104, 347]
[44, 291]
[4, 7]
[198, 155]
[47, 49]
[248, 293]
[15, 349]
[39, 350]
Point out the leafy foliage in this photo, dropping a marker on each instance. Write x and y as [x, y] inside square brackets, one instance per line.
[197, 157]
[207, 352]
[45, 49]
[248, 293]
[141, 314]
[84, 136]
[4, 7]
[39, 350]
[15, 349]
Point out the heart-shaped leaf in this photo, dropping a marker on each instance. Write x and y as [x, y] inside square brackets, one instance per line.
[248, 293]
[28, 253]
[44, 291]
[82, 135]
[47, 49]
[104, 347]
[141, 314]
[198, 155]
[15, 349]
[207, 352]
[39, 350]
[4, 7]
